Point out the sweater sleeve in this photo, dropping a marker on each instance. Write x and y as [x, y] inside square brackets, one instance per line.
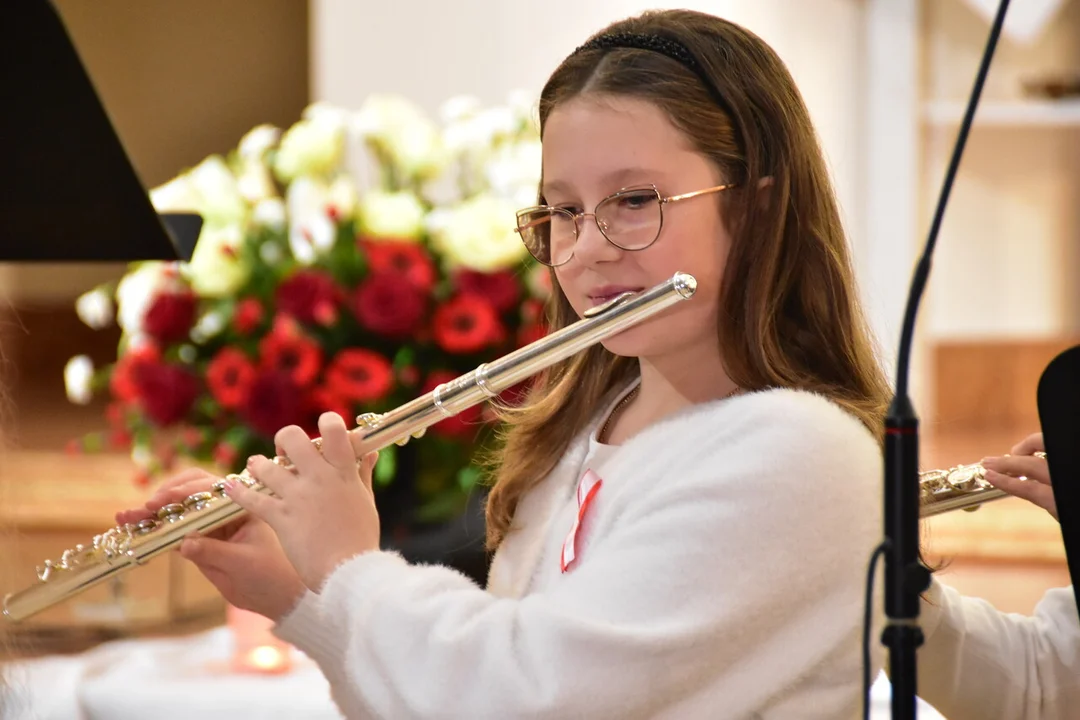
[979, 662]
[728, 578]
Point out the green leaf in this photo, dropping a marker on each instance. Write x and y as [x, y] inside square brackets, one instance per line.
[468, 477]
[386, 467]
[405, 357]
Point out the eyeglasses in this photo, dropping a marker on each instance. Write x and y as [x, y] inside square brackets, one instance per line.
[629, 219]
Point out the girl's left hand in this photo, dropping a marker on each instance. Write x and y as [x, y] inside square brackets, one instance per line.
[324, 511]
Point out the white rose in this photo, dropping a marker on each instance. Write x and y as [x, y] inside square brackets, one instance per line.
[78, 375]
[254, 145]
[137, 289]
[401, 130]
[95, 308]
[398, 215]
[478, 234]
[313, 146]
[215, 269]
[220, 199]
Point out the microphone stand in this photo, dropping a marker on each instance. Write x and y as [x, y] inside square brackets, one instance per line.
[905, 576]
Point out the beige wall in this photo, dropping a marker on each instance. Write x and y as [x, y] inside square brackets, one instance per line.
[180, 79]
[1009, 251]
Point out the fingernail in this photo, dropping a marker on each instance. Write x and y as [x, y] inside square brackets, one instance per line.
[988, 462]
[230, 485]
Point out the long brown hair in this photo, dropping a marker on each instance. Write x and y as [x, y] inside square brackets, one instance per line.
[789, 311]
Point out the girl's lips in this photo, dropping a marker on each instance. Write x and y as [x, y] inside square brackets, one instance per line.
[603, 294]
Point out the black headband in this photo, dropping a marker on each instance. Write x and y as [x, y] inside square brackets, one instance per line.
[665, 46]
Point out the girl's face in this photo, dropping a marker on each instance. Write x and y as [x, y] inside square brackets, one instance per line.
[595, 147]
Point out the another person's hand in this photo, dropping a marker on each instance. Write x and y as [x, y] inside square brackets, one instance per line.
[1022, 474]
[323, 510]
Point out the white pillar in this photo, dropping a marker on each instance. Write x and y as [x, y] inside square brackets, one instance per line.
[890, 167]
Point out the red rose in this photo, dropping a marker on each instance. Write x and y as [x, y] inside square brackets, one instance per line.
[501, 288]
[309, 296]
[385, 305]
[166, 392]
[467, 324]
[406, 260]
[273, 402]
[360, 375]
[170, 317]
[247, 316]
[122, 381]
[461, 425]
[229, 376]
[289, 351]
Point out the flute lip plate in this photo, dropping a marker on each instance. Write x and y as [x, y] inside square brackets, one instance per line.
[599, 309]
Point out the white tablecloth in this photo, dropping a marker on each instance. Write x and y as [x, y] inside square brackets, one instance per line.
[187, 678]
[164, 679]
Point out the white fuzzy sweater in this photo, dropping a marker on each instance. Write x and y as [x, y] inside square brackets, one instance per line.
[720, 573]
[979, 663]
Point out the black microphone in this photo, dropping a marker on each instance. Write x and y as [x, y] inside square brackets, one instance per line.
[905, 576]
[1058, 399]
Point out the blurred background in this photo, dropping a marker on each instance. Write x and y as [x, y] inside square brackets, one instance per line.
[886, 82]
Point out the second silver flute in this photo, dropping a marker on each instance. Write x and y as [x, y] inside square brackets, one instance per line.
[122, 548]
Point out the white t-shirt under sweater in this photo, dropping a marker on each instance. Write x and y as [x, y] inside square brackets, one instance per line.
[720, 573]
[978, 663]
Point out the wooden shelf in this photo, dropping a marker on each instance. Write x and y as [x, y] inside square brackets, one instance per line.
[1019, 113]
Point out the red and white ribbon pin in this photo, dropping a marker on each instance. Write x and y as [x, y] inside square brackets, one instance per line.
[587, 488]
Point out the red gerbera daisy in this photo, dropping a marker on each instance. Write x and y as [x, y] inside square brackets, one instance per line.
[360, 375]
[229, 376]
[407, 260]
[466, 324]
[291, 352]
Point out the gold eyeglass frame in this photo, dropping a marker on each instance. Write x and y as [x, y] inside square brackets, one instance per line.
[575, 217]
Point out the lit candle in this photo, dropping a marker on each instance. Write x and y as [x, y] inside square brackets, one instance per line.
[256, 650]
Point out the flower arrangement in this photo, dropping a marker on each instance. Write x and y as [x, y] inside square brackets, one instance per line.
[350, 263]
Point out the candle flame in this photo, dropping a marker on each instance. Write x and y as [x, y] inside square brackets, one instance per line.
[266, 658]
